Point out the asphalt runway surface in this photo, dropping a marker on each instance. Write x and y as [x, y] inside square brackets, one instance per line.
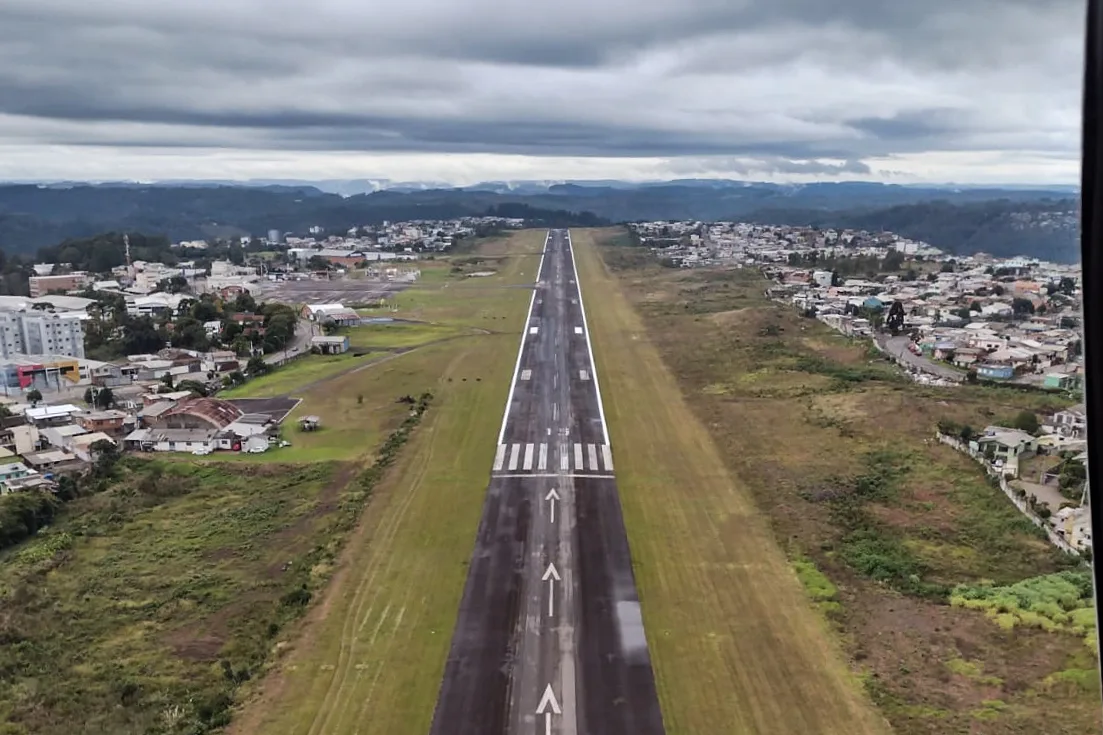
[549, 637]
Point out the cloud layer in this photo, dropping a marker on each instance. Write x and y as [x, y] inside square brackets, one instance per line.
[788, 88]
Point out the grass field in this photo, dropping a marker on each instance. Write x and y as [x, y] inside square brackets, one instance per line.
[370, 656]
[400, 334]
[143, 606]
[834, 451]
[735, 645]
[299, 373]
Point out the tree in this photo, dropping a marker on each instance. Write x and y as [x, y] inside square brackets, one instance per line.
[194, 386]
[893, 261]
[1022, 306]
[1026, 421]
[99, 397]
[947, 267]
[257, 366]
[998, 290]
[1066, 286]
[167, 380]
[34, 396]
[909, 275]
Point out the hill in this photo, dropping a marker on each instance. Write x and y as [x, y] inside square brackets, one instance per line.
[1034, 222]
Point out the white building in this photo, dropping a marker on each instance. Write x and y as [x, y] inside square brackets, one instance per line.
[40, 333]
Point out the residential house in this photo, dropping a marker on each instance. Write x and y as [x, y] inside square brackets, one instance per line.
[110, 422]
[82, 445]
[62, 436]
[42, 416]
[995, 371]
[1073, 421]
[251, 324]
[53, 461]
[1006, 445]
[12, 471]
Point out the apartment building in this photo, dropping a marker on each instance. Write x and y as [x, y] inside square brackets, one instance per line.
[42, 285]
[40, 333]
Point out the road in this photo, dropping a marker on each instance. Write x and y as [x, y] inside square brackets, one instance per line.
[898, 346]
[549, 637]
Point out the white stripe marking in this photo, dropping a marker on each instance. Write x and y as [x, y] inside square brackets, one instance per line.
[607, 455]
[564, 458]
[589, 346]
[514, 455]
[542, 462]
[526, 374]
[499, 457]
[578, 457]
[591, 450]
[533, 330]
[578, 330]
[583, 375]
[521, 347]
[528, 458]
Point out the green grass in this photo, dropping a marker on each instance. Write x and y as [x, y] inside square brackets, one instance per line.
[1054, 602]
[398, 334]
[373, 662]
[116, 619]
[973, 670]
[817, 586]
[298, 373]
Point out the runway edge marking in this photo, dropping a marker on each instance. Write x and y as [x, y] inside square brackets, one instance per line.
[589, 344]
[524, 334]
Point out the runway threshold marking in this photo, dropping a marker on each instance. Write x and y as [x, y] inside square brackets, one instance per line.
[542, 462]
[528, 457]
[514, 455]
[591, 454]
[500, 457]
[553, 475]
[578, 457]
[607, 455]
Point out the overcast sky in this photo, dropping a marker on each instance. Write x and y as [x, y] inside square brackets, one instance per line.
[941, 90]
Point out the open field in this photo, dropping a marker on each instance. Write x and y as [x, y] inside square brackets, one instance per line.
[297, 373]
[880, 523]
[400, 334]
[370, 656]
[735, 645]
[143, 606]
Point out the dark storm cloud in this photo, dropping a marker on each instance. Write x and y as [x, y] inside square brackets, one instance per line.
[795, 86]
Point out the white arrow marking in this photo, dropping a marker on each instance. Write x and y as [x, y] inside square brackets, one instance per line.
[548, 699]
[551, 576]
[547, 723]
[552, 496]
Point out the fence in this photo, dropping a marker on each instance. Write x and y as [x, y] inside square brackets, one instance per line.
[1055, 538]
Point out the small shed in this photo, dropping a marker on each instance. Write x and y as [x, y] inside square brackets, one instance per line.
[334, 345]
[310, 423]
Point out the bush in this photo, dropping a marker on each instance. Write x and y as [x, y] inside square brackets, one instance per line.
[1026, 421]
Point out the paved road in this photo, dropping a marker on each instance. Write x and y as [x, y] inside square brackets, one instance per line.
[549, 637]
[898, 346]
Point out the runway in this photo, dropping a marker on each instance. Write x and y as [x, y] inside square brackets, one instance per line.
[549, 637]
